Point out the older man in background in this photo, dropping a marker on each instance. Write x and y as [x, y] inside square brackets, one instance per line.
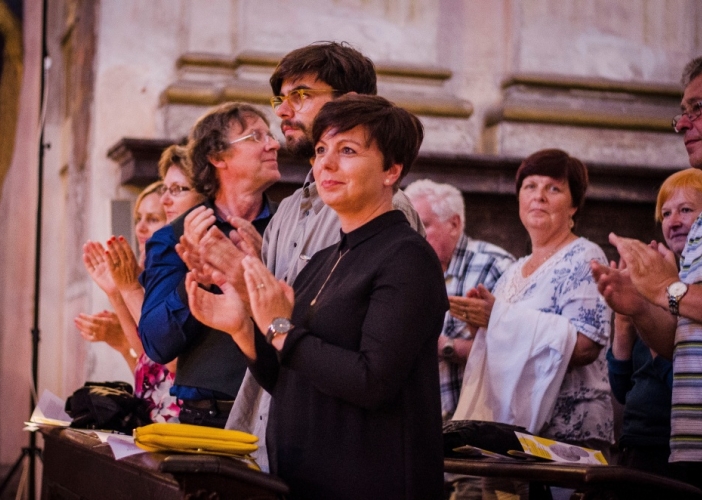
[466, 263]
[666, 305]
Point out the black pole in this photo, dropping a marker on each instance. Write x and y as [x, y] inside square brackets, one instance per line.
[33, 450]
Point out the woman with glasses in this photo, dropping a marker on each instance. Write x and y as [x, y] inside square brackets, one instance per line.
[234, 160]
[177, 192]
[116, 271]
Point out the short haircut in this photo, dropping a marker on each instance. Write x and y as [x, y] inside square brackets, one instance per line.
[338, 65]
[557, 164]
[174, 155]
[150, 189]
[692, 70]
[396, 131]
[690, 178]
[444, 199]
[209, 137]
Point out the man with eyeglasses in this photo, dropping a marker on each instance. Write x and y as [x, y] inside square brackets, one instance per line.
[666, 304]
[234, 160]
[304, 80]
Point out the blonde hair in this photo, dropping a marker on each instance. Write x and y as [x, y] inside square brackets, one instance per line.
[690, 178]
[150, 189]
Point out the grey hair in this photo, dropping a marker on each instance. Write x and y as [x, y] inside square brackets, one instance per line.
[445, 200]
[692, 70]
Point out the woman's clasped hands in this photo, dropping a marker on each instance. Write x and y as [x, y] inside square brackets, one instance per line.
[474, 309]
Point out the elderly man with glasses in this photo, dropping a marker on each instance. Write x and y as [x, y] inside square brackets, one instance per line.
[666, 304]
[234, 160]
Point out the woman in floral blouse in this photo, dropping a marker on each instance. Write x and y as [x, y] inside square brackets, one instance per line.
[539, 361]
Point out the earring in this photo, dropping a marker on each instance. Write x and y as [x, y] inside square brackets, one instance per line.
[571, 224]
[387, 181]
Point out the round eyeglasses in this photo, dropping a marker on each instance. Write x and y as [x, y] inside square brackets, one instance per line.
[175, 190]
[257, 136]
[692, 115]
[296, 98]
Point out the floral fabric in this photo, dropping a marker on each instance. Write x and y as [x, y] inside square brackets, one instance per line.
[564, 285]
[153, 383]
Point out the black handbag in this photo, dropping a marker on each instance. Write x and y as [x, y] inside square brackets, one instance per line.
[107, 406]
[490, 436]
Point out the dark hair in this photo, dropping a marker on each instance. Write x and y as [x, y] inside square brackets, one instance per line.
[559, 165]
[209, 137]
[692, 70]
[338, 65]
[397, 132]
[174, 155]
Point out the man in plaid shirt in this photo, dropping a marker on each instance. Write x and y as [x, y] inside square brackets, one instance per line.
[466, 264]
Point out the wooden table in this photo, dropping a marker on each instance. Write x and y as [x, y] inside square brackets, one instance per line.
[78, 466]
[594, 481]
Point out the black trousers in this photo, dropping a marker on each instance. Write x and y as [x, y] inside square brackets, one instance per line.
[652, 459]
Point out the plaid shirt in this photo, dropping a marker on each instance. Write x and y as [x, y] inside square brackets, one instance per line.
[473, 262]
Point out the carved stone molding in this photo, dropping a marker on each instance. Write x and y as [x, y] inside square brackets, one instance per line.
[138, 159]
[592, 102]
[209, 79]
[481, 174]
[621, 198]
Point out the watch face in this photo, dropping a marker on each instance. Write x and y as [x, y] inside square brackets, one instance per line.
[677, 289]
[281, 325]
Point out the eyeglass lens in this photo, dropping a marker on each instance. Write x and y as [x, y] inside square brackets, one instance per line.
[174, 190]
[693, 114]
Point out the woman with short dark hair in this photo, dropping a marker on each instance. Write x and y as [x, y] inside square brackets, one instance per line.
[349, 353]
[537, 360]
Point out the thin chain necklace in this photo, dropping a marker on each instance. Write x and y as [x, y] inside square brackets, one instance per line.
[314, 300]
[532, 262]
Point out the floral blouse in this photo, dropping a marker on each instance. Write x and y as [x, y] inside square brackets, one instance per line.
[153, 383]
[564, 285]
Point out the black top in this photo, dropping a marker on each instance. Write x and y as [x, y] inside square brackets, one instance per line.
[356, 408]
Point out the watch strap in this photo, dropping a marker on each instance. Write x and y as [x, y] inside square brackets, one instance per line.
[674, 305]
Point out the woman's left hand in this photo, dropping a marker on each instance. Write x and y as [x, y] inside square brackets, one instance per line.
[269, 297]
[475, 308]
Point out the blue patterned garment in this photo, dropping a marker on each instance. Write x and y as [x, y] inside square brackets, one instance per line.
[686, 414]
[473, 262]
[564, 285]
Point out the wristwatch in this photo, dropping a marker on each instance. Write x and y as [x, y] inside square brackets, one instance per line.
[448, 350]
[279, 326]
[676, 291]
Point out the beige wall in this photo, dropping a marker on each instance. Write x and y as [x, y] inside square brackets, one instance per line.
[133, 60]
[17, 225]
